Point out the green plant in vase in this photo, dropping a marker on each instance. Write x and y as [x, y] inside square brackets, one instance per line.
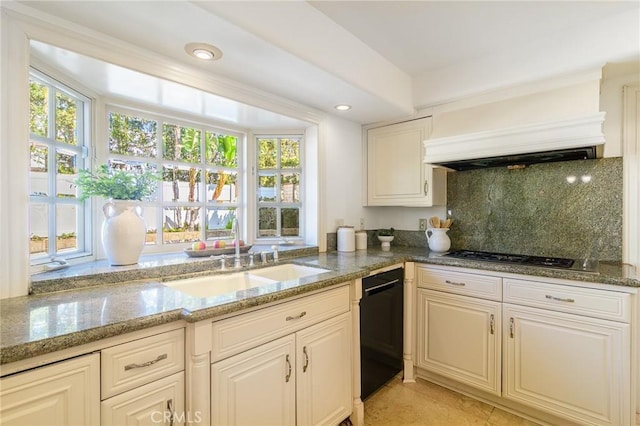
[123, 231]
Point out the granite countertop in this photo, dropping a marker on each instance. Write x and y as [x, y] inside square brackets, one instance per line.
[88, 304]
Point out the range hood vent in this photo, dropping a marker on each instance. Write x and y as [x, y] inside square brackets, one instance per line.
[574, 139]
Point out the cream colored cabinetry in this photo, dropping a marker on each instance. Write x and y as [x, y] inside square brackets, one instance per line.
[64, 393]
[143, 381]
[396, 173]
[458, 332]
[562, 357]
[323, 366]
[561, 348]
[296, 368]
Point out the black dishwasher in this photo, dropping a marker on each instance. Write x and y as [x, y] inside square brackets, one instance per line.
[381, 315]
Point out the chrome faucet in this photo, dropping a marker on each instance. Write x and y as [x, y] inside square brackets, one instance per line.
[236, 233]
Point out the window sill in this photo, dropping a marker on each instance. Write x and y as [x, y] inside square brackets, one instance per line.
[150, 267]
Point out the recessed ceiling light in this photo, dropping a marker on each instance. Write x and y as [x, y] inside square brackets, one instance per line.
[203, 51]
[343, 107]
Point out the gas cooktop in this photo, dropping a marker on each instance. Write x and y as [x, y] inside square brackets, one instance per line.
[549, 262]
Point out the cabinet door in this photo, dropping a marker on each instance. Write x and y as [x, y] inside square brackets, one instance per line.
[573, 366]
[324, 372]
[158, 403]
[396, 174]
[459, 337]
[256, 387]
[65, 393]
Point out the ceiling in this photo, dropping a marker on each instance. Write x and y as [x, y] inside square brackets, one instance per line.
[386, 58]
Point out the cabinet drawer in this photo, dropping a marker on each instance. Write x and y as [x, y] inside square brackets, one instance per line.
[476, 285]
[595, 303]
[237, 334]
[142, 361]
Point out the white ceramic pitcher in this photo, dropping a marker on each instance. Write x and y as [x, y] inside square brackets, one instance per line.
[438, 239]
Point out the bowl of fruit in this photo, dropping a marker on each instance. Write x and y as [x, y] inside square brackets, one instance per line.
[217, 247]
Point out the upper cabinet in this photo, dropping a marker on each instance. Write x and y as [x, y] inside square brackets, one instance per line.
[396, 174]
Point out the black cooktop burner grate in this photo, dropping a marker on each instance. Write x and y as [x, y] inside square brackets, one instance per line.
[549, 262]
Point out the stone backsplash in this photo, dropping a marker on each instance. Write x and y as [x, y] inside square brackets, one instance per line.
[566, 209]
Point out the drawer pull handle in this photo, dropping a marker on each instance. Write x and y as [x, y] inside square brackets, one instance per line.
[492, 324]
[145, 364]
[306, 359]
[512, 327]
[300, 315]
[286, 379]
[455, 283]
[559, 299]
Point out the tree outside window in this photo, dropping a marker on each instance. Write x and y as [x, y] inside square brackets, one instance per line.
[199, 195]
[279, 198]
[58, 137]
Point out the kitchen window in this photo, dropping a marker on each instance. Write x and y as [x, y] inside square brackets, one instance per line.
[279, 195]
[199, 194]
[59, 224]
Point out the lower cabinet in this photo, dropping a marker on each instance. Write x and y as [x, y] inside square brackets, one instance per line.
[572, 366]
[64, 393]
[459, 337]
[143, 381]
[559, 348]
[303, 378]
[157, 403]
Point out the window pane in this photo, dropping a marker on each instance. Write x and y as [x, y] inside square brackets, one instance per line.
[267, 222]
[150, 222]
[180, 224]
[133, 167]
[133, 136]
[290, 220]
[181, 143]
[66, 119]
[67, 171]
[219, 223]
[38, 116]
[181, 184]
[222, 187]
[38, 228]
[267, 188]
[67, 227]
[38, 176]
[290, 187]
[289, 153]
[267, 152]
[221, 150]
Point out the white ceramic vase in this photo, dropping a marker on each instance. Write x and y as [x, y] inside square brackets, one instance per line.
[386, 241]
[123, 231]
[439, 241]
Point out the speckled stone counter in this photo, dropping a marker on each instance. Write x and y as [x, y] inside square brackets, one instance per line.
[47, 322]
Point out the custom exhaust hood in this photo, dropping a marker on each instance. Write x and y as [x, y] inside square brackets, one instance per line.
[570, 139]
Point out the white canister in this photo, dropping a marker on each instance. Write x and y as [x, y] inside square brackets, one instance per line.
[361, 240]
[346, 238]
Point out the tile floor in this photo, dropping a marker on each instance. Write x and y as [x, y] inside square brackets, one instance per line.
[426, 404]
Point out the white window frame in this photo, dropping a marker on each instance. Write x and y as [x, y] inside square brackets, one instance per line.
[278, 204]
[169, 117]
[84, 232]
